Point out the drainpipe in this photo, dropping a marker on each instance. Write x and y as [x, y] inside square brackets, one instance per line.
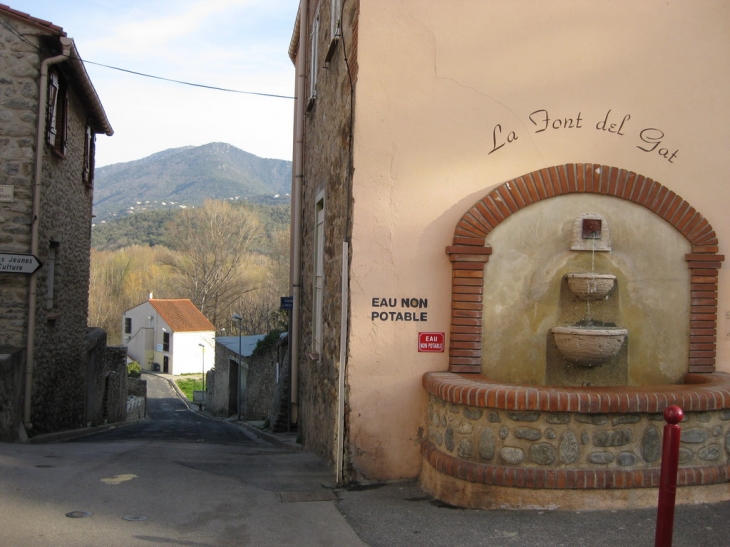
[66, 44]
[296, 228]
[340, 457]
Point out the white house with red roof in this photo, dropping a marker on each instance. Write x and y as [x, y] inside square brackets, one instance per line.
[169, 335]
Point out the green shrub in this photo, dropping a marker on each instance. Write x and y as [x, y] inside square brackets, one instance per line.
[134, 370]
[268, 341]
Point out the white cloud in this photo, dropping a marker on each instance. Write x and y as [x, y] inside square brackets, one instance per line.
[140, 32]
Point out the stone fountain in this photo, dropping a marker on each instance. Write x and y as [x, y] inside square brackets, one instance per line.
[563, 356]
[587, 344]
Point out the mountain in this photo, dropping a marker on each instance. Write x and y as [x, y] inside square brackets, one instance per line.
[187, 176]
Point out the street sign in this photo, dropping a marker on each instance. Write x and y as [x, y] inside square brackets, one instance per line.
[7, 192]
[431, 342]
[287, 303]
[17, 263]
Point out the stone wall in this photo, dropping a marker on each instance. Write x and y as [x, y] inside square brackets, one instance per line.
[115, 392]
[574, 440]
[19, 66]
[487, 438]
[95, 376]
[260, 384]
[217, 390]
[279, 411]
[326, 162]
[136, 408]
[136, 399]
[12, 363]
[260, 381]
[58, 392]
[65, 221]
[106, 380]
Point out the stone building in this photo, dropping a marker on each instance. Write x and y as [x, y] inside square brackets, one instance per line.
[447, 155]
[244, 380]
[50, 115]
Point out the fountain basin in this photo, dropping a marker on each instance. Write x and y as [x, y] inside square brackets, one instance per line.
[492, 444]
[589, 286]
[588, 347]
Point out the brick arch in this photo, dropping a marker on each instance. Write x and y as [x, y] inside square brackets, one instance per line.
[469, 252]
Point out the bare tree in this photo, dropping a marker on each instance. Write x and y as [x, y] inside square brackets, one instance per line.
[119, 280]
[260, 309]
[212, 244]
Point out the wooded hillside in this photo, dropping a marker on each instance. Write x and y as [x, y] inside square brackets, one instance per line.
[226, 257]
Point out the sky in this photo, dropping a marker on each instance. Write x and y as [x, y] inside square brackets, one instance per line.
[233, 44]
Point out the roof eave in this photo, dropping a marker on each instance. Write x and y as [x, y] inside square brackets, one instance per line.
[85, 87]
[90, 96]
[294, 43]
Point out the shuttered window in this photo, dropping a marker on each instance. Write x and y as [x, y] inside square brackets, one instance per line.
[313, 61]
[335, 28]
[57, 113]
[89, 153]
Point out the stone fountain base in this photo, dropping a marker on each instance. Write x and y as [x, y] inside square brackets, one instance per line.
[475, 495]
[496, 445]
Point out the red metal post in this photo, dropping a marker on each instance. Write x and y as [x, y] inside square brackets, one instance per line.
[668, 479]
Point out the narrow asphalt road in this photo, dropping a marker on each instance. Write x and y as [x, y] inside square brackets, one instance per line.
[171, 420]
[177, 478]
[181, 479]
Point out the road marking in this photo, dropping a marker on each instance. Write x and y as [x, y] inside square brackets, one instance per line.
[119, 479]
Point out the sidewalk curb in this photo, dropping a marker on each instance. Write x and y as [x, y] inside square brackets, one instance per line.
[61, 436]
[272, 438]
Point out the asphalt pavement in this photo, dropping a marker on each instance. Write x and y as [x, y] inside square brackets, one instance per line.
[182, 478]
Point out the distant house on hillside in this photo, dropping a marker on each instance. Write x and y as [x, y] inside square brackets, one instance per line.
[50, 115]
[169, 336]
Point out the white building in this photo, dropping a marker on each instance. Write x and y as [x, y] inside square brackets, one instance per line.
[170, 336]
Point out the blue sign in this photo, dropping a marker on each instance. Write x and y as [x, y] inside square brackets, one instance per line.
[287, 303]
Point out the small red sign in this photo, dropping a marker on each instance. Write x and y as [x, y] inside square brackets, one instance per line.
[431, 342]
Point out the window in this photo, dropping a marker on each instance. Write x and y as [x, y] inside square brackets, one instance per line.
[51, 279]
[313, 61]
[318, 276]
[57, 114]
[335, 27]
[335, 19]
[127, 325]
[89, 153]
[165, 341]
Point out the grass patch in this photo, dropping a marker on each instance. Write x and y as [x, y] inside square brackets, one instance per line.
[188, 385]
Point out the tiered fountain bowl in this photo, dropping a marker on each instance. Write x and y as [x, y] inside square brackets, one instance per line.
[589, 286]
[588, 346]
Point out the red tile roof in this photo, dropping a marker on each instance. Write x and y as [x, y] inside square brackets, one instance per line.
[181, 314]
[46, 25]
[99, 121]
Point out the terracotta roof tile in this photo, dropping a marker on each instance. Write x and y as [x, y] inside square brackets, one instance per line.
[99, 121]
[47, 25]
[181, 314]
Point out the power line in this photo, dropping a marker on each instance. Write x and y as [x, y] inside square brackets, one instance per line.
[188, 83]
[9, 27]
